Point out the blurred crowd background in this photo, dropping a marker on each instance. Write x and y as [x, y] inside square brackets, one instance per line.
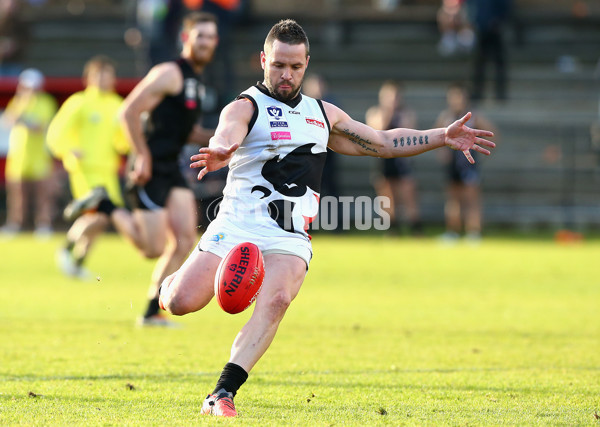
[531, 68]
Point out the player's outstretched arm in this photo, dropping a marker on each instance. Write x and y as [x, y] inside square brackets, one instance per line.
[351, 137]
[231, 131]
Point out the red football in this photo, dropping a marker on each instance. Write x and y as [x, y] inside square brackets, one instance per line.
[239, 278]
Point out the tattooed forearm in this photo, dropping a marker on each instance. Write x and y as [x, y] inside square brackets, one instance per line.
[365, 144]
[411, 140]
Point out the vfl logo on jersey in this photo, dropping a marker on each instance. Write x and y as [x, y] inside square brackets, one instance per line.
[276, 136]
[276, 117]
[315, 122]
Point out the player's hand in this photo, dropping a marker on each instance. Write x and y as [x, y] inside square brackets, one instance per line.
[462, 138]
[142, 169]
[212, 158]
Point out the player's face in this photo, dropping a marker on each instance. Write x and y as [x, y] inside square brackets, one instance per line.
[284, 65]
[201, 42]
[457, 100]
[103, 78]
[389, 97]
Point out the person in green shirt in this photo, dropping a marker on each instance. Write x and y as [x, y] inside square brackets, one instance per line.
[28, 161]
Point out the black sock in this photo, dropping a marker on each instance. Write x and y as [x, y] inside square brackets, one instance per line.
[79, 261]
[69, 245]
[106, 206]
[153, 308]
[232, 378]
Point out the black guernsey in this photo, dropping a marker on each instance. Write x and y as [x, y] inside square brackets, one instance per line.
[171, 122]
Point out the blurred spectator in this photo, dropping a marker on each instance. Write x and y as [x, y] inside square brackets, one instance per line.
[489, 19]
[13, 38]
[595, 126]
[463, 194]
[156, 32]
[29, 163]
[455, 30]
[395, 179]
[87, 136]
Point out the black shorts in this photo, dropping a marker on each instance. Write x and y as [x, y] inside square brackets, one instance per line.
[461, 171]
[398, 167]
[154, 195]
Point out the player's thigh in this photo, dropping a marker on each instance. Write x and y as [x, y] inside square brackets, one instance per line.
[192, 286]
[284, 275]
[181, 211]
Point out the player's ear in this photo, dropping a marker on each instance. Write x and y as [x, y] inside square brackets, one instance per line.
[184, 36]
[307, 59]
[263, 59]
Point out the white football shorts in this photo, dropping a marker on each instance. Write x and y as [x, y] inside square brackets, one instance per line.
[222, 235]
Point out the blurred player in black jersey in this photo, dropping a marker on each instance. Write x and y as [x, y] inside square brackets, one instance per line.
[164, 206]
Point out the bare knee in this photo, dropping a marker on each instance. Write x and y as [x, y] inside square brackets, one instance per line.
[175, 303]
[152, 252]
[176, 300]
[277, 304]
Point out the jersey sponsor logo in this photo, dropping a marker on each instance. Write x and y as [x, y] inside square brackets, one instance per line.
[276, 117]
[275, 136]
[315, 122]
[294, 112]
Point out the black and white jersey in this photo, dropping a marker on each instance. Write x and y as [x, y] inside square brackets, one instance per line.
[275, 175]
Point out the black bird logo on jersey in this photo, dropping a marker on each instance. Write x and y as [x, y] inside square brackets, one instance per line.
[291, 175]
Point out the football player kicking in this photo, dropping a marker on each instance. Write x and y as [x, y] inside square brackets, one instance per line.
[274, 140]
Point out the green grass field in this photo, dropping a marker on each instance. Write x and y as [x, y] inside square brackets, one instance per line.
[384, 331]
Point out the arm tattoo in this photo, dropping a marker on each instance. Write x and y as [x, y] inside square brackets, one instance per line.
[359, 140]
[411, 140]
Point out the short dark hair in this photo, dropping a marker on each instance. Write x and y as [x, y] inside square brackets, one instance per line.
[194, 18]
[459, 85]
[397, 85]
[287, 31]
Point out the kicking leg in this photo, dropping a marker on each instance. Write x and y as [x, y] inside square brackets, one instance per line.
[284, 275]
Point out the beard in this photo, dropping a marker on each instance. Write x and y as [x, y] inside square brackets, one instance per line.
[203, 56]
[280, 96]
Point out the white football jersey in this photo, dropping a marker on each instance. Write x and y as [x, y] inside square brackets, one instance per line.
[274, 176]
